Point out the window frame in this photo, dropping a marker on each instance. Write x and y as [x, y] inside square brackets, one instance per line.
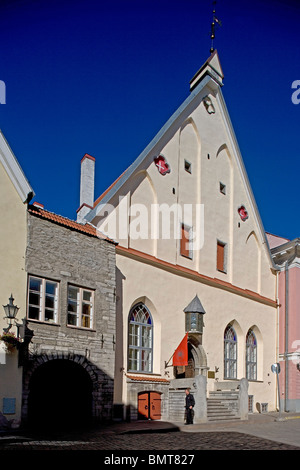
[137, 352]
[251, 351]
[222, 188]
[186, 253]
[80, 301]
[187, 166]
[42, 293]
[223, 268]
[230, 354]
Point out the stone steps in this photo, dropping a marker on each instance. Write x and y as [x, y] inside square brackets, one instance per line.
[221, 406]
[221, 394]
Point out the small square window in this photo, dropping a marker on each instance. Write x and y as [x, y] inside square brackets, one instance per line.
[187, 166]
[222, 188]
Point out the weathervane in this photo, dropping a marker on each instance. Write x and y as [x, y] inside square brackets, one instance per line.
[214, 22]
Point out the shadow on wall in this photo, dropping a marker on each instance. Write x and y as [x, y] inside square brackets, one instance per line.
[65, 391]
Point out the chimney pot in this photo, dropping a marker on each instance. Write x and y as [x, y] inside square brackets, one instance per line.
[87, 184]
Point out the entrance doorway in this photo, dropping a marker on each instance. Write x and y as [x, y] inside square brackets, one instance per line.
[149, 405]
[186, 372]
[60, 396]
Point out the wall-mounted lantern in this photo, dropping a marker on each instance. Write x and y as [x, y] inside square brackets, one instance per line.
[194, 316]
[11, 311]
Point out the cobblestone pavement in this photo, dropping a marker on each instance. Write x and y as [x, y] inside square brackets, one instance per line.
[158, 441]
[259, 432]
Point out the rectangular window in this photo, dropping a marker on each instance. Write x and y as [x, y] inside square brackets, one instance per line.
[264, 408]
[140, 348]
[9, 406]
[230, 365]
[186, 241]
[187, 166]
[222, 188]
[133, 360]
[42, 299]
[250, 403]
[80, 307]
[251, 361]
[221, 257]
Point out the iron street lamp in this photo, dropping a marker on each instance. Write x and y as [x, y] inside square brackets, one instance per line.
[11, 311]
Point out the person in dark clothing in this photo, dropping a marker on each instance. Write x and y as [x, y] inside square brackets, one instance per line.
[189, 405]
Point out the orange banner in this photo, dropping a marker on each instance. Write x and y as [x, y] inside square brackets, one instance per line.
[180, 357]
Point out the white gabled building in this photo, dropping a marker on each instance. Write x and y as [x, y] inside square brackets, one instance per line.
[188, 228]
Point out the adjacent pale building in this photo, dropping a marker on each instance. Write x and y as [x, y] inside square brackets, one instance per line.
[192, 257]
[15, 192]
[286, 254]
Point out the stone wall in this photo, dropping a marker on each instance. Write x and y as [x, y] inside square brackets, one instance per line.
[135, 388]
[177, 405]
[67, 256]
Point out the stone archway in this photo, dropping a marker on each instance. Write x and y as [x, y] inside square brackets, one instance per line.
[197, 360]
[60, 391]
[198, 353]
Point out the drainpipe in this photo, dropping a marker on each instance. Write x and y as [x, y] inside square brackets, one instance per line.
[277, 330]
[286, 335]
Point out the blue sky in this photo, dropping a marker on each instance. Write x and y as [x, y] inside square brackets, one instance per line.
[102, 77]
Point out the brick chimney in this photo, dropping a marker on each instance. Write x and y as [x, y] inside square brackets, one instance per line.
[87, 185]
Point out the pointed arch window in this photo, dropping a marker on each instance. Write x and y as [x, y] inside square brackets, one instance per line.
[230, 353]
[140, 339]
[251, 356]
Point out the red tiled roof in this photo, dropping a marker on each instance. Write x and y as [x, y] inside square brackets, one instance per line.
[86, 229]
[146, 379]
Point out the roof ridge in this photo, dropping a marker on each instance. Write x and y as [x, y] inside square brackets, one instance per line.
[278, 236]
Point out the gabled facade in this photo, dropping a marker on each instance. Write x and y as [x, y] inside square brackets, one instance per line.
[15, 192]
[186, 224]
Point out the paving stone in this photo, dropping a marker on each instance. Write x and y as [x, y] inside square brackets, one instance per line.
[168, 441]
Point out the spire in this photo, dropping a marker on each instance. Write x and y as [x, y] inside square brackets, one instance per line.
[212, 68]
[215, 22]
[194, 306]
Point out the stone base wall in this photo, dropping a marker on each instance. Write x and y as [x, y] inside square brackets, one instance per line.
[134, 388]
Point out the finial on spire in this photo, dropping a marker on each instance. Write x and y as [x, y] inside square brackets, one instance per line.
[213, 24]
